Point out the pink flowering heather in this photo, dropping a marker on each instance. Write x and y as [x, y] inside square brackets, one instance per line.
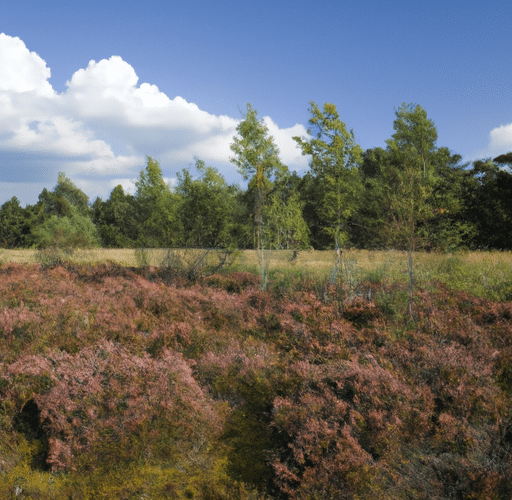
[106, 393]
[211, 388]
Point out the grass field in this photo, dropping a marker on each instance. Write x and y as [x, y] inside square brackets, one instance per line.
[487, 274]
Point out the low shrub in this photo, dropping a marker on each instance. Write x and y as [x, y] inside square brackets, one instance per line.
[125, 385]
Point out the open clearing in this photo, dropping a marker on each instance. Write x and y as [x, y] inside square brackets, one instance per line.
[483, 273]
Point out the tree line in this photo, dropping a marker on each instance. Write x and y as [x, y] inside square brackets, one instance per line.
[409, 195]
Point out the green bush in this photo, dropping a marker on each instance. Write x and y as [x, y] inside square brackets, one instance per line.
[57, 238]
[73, 231]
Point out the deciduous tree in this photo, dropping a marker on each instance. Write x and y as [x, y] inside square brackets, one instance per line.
[117, 219]
[64, 196]
[286, 227]
[487, 204]
[67, 232]
[257, 157]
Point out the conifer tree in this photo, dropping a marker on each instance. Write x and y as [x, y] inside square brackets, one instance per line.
[156, 206]
[206, 209]
[257, 158]
[335, 158]
[410, 177]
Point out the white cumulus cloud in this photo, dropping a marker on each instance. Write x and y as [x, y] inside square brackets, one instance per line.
[100, 130]
[500, 142]
[501, 139]
[289, 151]
[22, 70]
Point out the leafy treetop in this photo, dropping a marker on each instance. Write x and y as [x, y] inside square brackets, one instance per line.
[255, 152]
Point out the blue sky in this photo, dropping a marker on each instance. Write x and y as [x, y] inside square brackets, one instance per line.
[182, 73]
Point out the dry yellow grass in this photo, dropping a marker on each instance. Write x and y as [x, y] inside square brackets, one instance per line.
[486, 274]
[315, 261]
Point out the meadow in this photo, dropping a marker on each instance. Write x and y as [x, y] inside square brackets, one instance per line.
[483, 273]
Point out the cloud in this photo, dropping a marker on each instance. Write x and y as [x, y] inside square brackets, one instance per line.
[501, 139]
[290, 153]
[34, 123]
[100, 130]
[500, 142]
[22, 70]
[106, 96]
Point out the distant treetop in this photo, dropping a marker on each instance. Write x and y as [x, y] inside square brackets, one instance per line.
[506, 158]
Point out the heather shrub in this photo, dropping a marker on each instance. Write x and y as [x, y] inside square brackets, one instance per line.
[98, 273]
[105, 404]
[336, 428]
[126, 385]
[361, 313]
[503, 370]
[15, 321]
[234, 282]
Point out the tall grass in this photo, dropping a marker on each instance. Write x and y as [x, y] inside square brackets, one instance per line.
[485, 274]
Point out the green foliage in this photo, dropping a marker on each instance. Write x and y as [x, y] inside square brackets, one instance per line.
[117, 219]
[155, 207]
[64, 197]
[411, 195]
[207, 208]
[505, 159]
[69, 231]
[66, 190]
[256, 155]
[487, 205]
[335, 158]
[284, 226]
[414, 132]
[256, 158]
[15, 224]
[410, 177]
[310, 190]
[61, 223]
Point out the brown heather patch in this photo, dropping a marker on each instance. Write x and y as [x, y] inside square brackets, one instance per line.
[220, 380]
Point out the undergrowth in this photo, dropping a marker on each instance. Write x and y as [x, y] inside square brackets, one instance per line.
[159, 382]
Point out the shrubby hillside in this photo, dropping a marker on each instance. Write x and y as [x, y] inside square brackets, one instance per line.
[125, 383]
